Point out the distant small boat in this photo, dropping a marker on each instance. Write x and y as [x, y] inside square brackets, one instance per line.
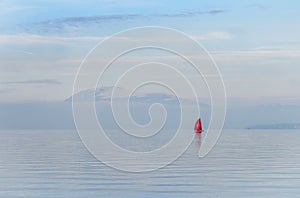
[198, 126]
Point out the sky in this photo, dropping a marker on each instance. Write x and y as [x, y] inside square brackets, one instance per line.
[255, 44]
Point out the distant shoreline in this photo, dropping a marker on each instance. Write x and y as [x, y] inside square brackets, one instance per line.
[276, 126]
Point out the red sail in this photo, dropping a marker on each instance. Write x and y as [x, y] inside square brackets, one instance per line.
[198, 125]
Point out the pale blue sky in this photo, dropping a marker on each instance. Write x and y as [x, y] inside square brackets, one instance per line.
[256, 44]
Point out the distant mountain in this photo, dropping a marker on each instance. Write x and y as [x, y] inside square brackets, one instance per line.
[240, 114]
[105, 93]
[100, 94]
[139, 105]
[276, 126]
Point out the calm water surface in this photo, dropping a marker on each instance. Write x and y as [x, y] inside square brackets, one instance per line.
[244, 163]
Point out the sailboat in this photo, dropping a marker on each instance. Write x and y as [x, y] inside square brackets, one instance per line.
[198, 126]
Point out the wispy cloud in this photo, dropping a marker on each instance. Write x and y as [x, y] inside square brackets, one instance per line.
[41, 82]
[268, 53]
[9, 9]
[27, 39]
[35, 39]
[76, 22]
[254, 57]
[190, 13]
[215, 36]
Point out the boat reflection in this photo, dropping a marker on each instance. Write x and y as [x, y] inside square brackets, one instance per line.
[198, 140]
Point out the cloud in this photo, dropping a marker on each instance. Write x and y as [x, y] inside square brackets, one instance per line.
[256, 58]
[73, 21]
[76, 22]
[5, 8]
[268, 53]
[190, 13]
[215, 36]
[41, 82]
[35, 39]
[31, 39]
[216, 11]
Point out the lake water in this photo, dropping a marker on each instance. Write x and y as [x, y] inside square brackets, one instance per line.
[244, 163]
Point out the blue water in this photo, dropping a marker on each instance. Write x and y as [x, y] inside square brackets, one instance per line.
[244, 163]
